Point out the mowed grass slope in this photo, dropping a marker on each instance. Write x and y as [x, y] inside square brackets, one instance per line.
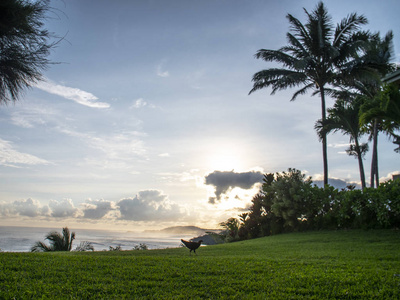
[313, 265]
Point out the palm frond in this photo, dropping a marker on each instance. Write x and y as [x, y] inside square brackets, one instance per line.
[319, 27]
[298, 28]
[302, 91]
[40, 247]
[277, 79]
[355, 151]
[58, 242]
[296, 47]
[275, 55]
[347, 26]
[67, 239]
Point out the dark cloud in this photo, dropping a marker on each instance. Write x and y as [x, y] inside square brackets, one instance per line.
[150, 205]
[96, 209]
[226, 180]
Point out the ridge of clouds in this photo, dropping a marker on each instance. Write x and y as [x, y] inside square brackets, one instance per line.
[74, 94]
[146, 206]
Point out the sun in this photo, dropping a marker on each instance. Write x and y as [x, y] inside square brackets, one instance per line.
[224, 162]
[226, 157]
[226, 154]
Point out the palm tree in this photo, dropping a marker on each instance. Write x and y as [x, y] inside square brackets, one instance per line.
[344, 117]
[378, 53]
[386, 108]
[24, 46]
[231, 227]
[318, 55]
[58, 242]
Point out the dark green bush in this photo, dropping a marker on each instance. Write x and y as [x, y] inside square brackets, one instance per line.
[288, 202]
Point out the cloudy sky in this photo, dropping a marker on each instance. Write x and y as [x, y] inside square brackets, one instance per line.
[146, 122]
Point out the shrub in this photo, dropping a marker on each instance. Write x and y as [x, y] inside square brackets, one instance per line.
[141, 247]
[288, 201]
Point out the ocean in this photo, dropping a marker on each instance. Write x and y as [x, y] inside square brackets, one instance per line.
[21, 239]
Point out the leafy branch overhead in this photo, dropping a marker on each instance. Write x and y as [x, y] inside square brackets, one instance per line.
[24, 46]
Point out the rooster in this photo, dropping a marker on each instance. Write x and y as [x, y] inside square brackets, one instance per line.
[192, 245]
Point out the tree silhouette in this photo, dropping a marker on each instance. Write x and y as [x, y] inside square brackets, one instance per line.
[24, 46]
[378, 53]
[386, 108]
[58, 242]
[344, 117]
[318, 55]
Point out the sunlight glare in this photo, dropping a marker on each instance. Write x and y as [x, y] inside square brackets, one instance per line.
[226, 157]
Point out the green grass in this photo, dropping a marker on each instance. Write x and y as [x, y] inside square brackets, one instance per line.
[314, 265]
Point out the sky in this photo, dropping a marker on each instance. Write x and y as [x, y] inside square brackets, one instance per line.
[145, 121]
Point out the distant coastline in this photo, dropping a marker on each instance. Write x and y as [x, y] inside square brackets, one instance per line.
[21, 239]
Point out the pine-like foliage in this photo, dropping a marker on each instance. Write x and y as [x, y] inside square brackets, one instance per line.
[24, 46]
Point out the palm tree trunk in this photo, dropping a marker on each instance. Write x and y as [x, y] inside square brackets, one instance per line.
[376, 156]
[324, 139]
[360, 164]
[374, 163]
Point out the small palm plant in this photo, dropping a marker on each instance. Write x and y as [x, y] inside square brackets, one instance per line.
[58, 242]
[84, 246]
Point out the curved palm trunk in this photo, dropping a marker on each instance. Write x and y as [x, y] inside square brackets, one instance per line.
[324, 139]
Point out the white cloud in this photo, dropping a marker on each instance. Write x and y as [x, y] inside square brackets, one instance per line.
[26, 120]
[150, 205]
[160, 72]
[62, 209]
[29, 208]
[163, 155]
[139, 103]
[10, 157]
[74, 94]
[30, 115]
[96, 209]
[121, 146]
[389, 176]
[339, 145]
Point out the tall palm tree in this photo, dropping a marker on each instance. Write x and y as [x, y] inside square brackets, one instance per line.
[24, 46]
[318, 55]
[378, 53]
[344, 117]
[58, 242]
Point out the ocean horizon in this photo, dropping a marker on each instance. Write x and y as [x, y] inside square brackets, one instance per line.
[21, 239]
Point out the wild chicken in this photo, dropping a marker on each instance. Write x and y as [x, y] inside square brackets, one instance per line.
[192, 245]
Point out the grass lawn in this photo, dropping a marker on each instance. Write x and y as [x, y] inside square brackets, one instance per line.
[351, 264]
